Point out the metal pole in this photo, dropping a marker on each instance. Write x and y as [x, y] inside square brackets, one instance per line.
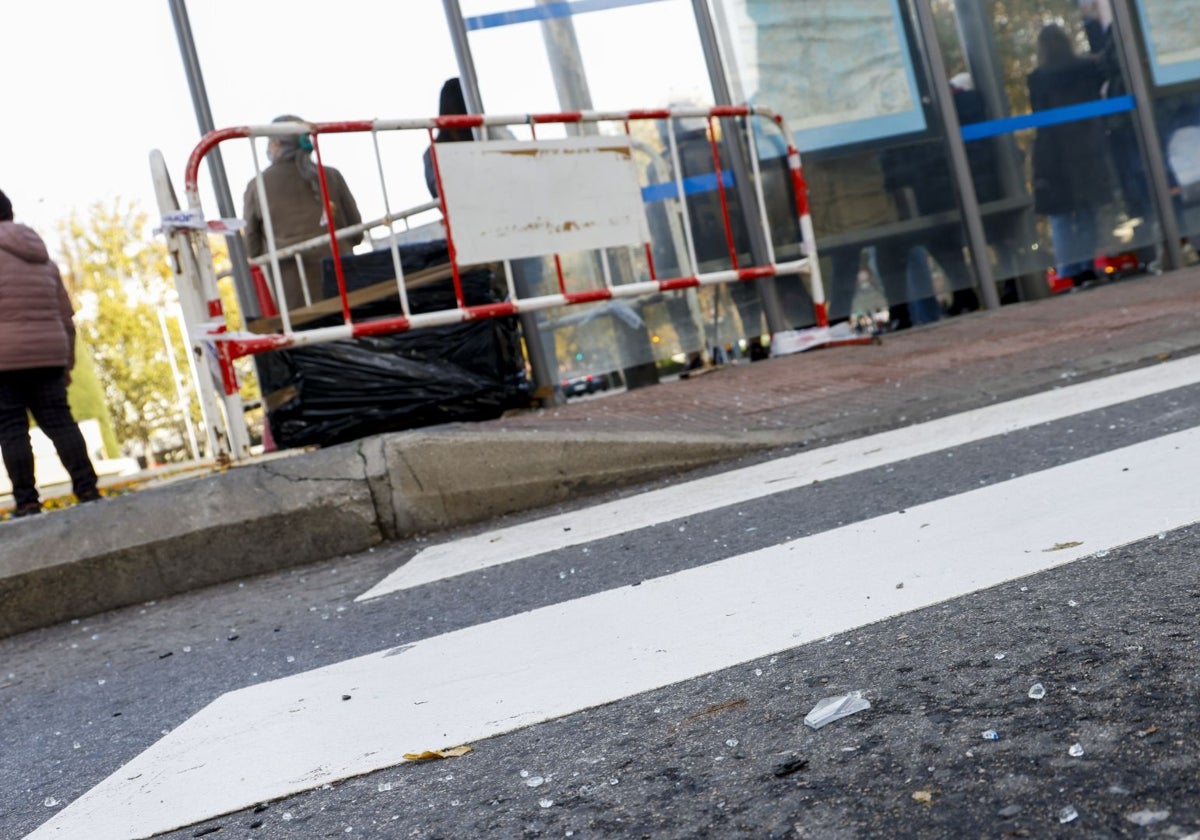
[193, 374]
[571, 88]
[566, 67]
[544, 378]
[185, 404]
[1148, 132]
[974, 22]
[237, 247]
[191, 310]
[739, 153]
[462, 52]
[968, 202]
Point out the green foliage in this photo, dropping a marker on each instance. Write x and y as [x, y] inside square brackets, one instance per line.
[113, 249]
[86, 397]
[1014, 25]
[132, 363]
[120, 278]
[1017, 29]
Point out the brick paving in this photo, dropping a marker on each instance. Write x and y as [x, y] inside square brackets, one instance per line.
[947, 366]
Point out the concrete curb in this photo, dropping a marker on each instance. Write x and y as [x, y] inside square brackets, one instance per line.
[310, 507]
[449, 479]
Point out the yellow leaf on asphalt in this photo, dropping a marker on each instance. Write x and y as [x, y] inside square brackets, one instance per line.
[925, 797]
[427, 755]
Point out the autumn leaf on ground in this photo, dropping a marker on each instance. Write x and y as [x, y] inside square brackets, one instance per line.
[428, 755]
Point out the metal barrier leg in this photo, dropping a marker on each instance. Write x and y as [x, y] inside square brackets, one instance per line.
[187, 285]
[526, 275]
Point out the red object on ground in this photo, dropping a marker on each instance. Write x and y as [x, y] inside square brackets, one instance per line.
[1114, 265]
[1123, 263]
[266, 303]
[1058, 284]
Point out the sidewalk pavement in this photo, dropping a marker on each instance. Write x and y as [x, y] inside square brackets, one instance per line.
[306, 507]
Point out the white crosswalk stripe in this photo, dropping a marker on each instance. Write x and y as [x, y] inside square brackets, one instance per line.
[733, 487]
[294, 734]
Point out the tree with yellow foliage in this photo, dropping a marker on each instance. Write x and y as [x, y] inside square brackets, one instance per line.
[119, 277]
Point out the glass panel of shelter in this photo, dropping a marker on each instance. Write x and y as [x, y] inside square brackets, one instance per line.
[1177, 114]
[1073, 201]
[883, 193]
[1173, 47]
[1058, 115]
[883, 201]
[660, 62]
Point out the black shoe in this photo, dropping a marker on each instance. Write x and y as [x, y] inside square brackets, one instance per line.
[901, 317]
[964, 300]
[694, 362]
[88, 496]
[28, 509]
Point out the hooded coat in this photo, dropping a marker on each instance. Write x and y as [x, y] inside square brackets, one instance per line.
[298, 214]
[36, 329]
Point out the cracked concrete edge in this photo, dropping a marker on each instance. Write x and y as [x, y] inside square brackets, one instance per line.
[443, 479]
[309, 507]
[142, 546]
[373, 453]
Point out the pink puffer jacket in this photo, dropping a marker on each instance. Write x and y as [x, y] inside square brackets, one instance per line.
[36, 329]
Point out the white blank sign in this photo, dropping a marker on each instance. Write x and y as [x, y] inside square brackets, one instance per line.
[508, 199]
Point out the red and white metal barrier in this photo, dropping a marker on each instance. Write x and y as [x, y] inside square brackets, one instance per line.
[500, 200]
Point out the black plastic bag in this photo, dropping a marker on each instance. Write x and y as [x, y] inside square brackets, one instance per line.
[330, 393]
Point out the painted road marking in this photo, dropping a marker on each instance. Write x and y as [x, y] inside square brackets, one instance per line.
[294, 734]
[730, 488]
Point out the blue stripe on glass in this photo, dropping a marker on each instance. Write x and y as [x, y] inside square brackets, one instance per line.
[696, 184]
[1052, 116]
[548, 11]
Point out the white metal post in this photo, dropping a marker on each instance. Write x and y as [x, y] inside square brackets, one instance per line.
[187, 285]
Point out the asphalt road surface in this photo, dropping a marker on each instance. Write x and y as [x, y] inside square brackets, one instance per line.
[641, 664]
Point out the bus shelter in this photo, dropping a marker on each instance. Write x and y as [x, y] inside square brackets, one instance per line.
[925, 165]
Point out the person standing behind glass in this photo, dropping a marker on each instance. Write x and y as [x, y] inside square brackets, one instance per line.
[1071, 174]
[293, 188]
[451, 102]
[1127, 161]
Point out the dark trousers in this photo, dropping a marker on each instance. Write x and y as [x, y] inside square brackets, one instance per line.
[41, 392]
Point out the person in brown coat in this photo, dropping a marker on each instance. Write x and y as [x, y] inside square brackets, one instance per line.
[37, 352]
[293, 189]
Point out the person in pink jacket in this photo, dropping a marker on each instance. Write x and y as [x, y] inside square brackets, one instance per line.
[37, 352]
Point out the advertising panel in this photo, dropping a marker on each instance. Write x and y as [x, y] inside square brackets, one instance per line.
[1172, 39]
[839, 70]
